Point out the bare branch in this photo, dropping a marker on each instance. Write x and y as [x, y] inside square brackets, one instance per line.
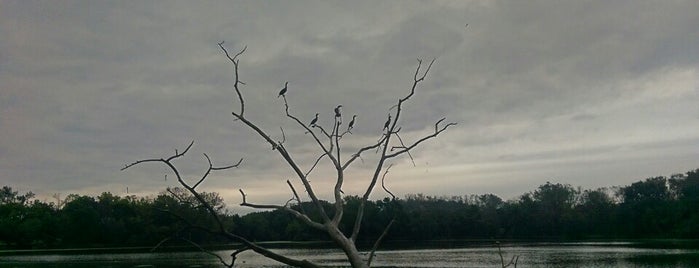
[300, 216]
[363, 149]
[424, 74]
[154, 248]
[192, 226]
[243, 195]
[180, 198]
[331, 148]
[269, 254]
[383, 185]
[315, 164]
[296, 195]
[286, 204]
[403, 146]
[308, 130]
[228, 167]
[344, 133]
[234, 255]
[211, 167]
[287, 157]
[283, 135]
[222, 231]
[280, 143]
[176, 155]
[417, 78]
[208, 252]
[337, 191]
[237, 81]
[168, 163]
[322, 130]
[437, 131]
[211, 210]
[378, 241]
[395, 216]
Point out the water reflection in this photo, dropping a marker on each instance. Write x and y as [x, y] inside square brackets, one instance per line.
[531, 255]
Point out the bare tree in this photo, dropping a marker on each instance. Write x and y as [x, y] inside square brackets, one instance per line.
[390, 145]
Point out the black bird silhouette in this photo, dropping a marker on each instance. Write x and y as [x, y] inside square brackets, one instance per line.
[283, 91]
[337, 111]
[351, 123]
[314, 121]
[388, 122]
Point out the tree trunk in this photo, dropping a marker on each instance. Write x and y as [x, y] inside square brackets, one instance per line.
[348, 247]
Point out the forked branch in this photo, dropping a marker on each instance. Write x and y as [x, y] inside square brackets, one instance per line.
[220, 230]
[437, 131]
[299, 215]
[211, 168]
[392, 128]
[296, 195]
[326, 150]
[176, 155]
[330, 147]
[237, 81]
[358, 154]
[277, 146]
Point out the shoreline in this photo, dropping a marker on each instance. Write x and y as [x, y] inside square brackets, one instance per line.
[388, 245]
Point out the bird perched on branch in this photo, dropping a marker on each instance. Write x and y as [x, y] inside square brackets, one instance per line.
[283, 91]
[314, 121]
[351, 123]
[337, 111]
[388, 123]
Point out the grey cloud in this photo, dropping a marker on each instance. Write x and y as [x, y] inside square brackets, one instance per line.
[87, 88]
[583, 117]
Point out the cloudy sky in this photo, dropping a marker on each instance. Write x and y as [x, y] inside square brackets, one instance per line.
[590, 93]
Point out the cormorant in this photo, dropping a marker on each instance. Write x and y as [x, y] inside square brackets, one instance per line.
[337, 111]
[313, 122]
[388, 122]
[351, 123]
[283, 91]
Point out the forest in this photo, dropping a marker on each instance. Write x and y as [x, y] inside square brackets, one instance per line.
[656, 207]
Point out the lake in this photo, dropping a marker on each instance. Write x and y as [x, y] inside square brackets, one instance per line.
[550, 255]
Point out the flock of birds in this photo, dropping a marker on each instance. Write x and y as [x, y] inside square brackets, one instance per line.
[338, 112]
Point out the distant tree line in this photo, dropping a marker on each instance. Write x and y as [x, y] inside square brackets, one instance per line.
[658, 207]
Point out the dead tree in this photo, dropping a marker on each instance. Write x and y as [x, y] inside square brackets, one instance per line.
[389, 146]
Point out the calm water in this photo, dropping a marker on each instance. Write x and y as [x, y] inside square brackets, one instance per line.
[531, 255]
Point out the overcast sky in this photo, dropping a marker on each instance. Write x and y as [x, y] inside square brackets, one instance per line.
[590, 93]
